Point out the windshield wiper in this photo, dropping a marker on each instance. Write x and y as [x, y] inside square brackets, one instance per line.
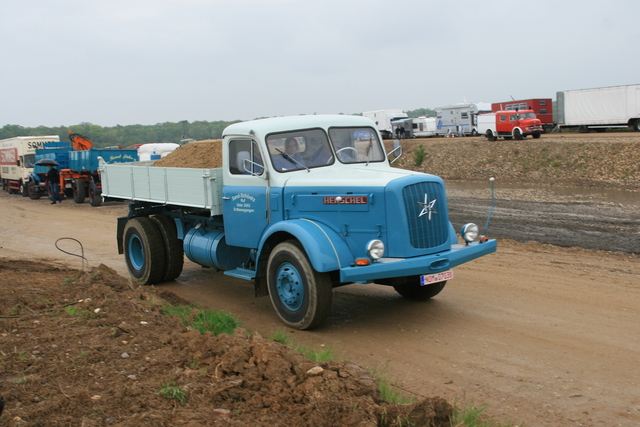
[291, 159]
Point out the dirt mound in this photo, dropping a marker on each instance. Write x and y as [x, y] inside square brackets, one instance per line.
[573, 160]
[199, 154]
[96, 349]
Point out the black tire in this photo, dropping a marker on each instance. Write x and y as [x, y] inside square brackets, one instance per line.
[95, 194]
[490, 136]
[413, 290]
[474, 132]
[144, 250]
[301, 296]
[583, 129]
[24, 189]
[33, 190]
[173, 249]
[78, 190]
[517, 134]
[535, 135]
[636, 125]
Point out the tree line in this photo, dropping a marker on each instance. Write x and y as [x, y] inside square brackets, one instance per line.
[126, 136]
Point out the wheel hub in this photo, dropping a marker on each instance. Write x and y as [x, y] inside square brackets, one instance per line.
[289, 286]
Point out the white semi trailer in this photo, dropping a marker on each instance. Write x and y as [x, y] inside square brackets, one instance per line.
[383, 119]
[600, 108]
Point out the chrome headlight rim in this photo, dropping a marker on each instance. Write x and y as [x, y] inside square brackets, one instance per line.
[375, 249]
[469, 232]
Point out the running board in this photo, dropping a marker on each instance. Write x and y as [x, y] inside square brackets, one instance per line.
[241, 273]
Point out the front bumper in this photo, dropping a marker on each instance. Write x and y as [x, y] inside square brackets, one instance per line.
[428, 264]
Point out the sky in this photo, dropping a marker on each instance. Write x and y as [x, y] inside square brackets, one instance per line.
[124, 62]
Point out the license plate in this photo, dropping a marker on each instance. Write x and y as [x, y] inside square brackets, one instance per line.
[430, 279]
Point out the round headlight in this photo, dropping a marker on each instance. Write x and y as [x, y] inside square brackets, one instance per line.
[469, 232]
[375, 249]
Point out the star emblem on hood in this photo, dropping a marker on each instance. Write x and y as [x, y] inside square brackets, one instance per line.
[427, 206]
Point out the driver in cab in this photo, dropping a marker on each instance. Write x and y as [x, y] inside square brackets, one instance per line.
[290, 159]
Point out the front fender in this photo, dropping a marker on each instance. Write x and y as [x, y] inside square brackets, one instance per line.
[326, 249]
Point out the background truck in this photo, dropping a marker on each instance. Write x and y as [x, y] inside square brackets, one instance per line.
[543, 107]
[78, 166]
[599, 108]
[459, 119]
[509, 125]
[338, 213]
[383, 120]
[17, 158]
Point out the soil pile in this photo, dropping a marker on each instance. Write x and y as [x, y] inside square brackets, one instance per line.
[96, 349]
[205, 154]
[573, 160]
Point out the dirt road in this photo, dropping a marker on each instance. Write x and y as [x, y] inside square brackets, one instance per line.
[544, 335]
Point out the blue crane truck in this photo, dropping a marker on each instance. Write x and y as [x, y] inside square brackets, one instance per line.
[300, 205]
[78, 167]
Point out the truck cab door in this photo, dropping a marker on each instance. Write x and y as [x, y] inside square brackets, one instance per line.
[244, 192]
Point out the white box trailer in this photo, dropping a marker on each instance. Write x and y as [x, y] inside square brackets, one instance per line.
[460, 119]
[424, 127]
[383, 119]
[600, 108]
[17, 158]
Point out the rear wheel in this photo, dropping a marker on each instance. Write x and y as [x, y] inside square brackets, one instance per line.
[95, 194]
[490, 136]
[144, 250]
[173, 249]
[78, 190]
[301, 296]
[636, 125]
[413, 290]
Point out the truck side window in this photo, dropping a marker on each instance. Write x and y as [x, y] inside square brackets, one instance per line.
[244, 158]
[503, 117]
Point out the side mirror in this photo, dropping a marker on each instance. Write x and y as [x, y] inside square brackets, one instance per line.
[396, 153]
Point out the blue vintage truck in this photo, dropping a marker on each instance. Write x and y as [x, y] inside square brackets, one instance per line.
[300, 205]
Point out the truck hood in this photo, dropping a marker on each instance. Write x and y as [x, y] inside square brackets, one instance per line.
[352, 176]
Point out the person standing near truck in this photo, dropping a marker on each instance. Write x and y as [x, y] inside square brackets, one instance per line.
[53, 181]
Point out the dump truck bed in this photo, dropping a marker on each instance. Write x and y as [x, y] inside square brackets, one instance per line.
[142, 182]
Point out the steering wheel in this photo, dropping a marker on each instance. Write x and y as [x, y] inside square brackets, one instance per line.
[344, 149]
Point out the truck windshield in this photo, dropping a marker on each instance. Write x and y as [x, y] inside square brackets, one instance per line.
[356, 145]
[305, 149]
[29, 160]
[528, 115]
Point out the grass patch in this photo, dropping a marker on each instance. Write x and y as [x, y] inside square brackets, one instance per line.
[217, 322]
[322, 354]
[471, 416]
[171, 391]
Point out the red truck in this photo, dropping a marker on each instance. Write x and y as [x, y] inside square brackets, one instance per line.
[509, 125]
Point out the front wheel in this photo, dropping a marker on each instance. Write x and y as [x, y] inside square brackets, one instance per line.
[300, 295]
[33, 190]
[144, 250]
[517, 134]
[413, 290]
[535, 135]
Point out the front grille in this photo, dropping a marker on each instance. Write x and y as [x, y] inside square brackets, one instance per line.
[431, 229]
